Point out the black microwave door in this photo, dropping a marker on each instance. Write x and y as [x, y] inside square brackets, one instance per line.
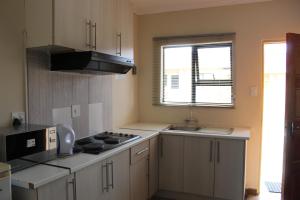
[24, 144]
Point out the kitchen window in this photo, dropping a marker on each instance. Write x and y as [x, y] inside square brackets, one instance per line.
[203, 68]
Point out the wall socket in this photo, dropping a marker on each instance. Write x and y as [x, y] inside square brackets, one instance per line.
[75, 111]
[18, 115]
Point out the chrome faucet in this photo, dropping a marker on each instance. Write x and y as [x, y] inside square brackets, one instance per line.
[191, 121]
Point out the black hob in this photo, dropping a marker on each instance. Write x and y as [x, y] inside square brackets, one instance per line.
[103, 141]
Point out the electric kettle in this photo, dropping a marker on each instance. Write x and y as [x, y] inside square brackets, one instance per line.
[66, 139]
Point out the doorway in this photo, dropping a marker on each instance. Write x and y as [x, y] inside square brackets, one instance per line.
[273, 119]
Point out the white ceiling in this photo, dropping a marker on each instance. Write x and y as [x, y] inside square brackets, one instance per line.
[158, 6]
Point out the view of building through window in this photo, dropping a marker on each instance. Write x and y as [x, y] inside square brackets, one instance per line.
[199, 74]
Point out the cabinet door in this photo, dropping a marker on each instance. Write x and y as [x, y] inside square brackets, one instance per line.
[118, 179]
[5, 190]
[107, 35]
[125, 28]
[91, 182]
[229, 169]
[153, 167]
[70, 27]
[171, 163]
[139, 180]
[198, 166]
[62, 189]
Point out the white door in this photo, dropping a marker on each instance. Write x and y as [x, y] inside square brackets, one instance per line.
[198, 166]
[91, 182]
[229, 169]
[153, 166]
[171, 163]
[70, 24]
[107, 39]
[61, 189]
[118, 179]
[139, 180]
[125, 28]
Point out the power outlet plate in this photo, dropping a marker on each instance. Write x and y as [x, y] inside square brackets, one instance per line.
[75, 111]
[18, 115]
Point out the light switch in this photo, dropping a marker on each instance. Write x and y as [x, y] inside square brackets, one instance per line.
[75, 111]
[253, 91]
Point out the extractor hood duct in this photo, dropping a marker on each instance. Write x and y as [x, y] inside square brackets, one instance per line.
[90, 62]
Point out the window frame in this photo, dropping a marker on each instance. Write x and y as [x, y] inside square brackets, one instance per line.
[183, 41]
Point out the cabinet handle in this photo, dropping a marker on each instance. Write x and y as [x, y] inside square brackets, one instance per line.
[88, 33]
[1, 190]
[73, 182]
[218, 151]
[119, 37]
[211, 151]
[95, 36]
[104, 188]
[142, 151]
[111, 164]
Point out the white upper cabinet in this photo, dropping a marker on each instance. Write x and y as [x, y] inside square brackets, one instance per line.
[125, 29]
[70, 23]
[58, 22]
[100, 25]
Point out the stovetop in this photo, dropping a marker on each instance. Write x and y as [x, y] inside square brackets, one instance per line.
[103, 141]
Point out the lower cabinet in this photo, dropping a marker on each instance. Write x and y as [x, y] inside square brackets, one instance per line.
[198, 166]
[139, 172]
[153, 166]
[107, 180]
[171, 163]
[229, 169]
[209, 168]
[61, 189]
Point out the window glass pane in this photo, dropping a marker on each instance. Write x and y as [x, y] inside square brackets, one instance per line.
[213, 94]
[214, 63]
[177, 65]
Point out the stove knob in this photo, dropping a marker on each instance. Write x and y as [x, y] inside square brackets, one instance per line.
[110, 133]
[120, 134]
[126, 135]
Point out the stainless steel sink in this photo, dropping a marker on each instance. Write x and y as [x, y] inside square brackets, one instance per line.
[203, 130]
[216, 131]
[184, 128]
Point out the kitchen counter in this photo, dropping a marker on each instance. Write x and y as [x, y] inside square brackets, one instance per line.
[39, 175]
[237, 133]
[42, 174]
[82, 160]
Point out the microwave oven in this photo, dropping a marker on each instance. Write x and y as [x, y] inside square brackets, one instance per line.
[27, 145]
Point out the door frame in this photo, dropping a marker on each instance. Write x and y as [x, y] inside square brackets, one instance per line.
[281, 40]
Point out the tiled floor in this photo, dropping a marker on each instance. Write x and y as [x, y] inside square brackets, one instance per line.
[266, 195]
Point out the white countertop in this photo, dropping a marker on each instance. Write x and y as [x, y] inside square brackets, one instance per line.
[42, 174]
[37, 176]
[237, 133]
[82, 160]
[146, 126]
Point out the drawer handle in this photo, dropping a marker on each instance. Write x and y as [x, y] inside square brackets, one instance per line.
[142, 151]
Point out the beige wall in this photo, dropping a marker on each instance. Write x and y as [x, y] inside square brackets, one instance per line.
[12, 84]
[125, 91]
[253, 23]
[11, 59]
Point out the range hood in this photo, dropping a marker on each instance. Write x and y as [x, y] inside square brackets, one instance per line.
[90, 62]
